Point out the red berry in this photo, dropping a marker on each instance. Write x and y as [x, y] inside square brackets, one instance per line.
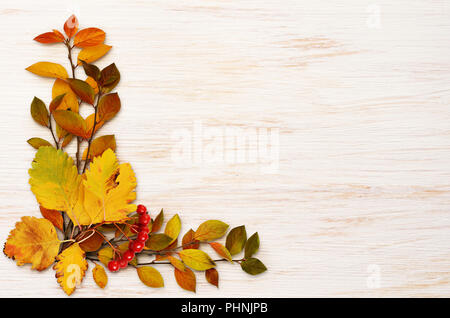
[134, 229]
[113, 266]
[142, 237]
[141, 209]
[128, 255]
[138, 246]
[130, 245]
[144, 228]
[123, 263]
[144, 219]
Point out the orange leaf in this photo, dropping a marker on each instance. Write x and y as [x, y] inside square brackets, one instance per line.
[83, 90]
[48, 69]
[108, 106]
[89, 37]
[185, 279]
[70, 268]
[90, 124]
[70, 100]
[54, 104]
[177, 263]
[53, 216]
[93, 243]
[50, 37]
[33, 241]
[100, 277]
[93, 83]
[212, 276]
[71, 121]
[189, 238]
[71, 26]
[221, 250]
[100, 145]
[158, 222]
[93, 53]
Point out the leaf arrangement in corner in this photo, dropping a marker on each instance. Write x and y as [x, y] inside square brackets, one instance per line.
[88, 201]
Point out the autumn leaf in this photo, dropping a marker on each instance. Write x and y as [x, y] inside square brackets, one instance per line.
[253, 266]
[54, 179]
[71, 26]
[221, 250]
[70, 268]
[93, 84]
[156, 226]
[53, 216]
[158, 242]
[50, 37]
[91, 70]
[236, 240]
[56, 102]
[100, 145]
[109, 190]
[36, 142]
[109, 78]
[93, 53]
[70, 100]
[176, 263]
[90, 242]
[71, 122]
[67, 139]
[100, 277]
[189, 240]
[150, 276]
[252, 245]
[89, 37]
[212, 277]
[108, 106]
[39, 112]
[82, 89]
[173, 227]
[210, 230]
[33, 241]
[90, 124]
[196, 259]
[48, 69]
[185, 279]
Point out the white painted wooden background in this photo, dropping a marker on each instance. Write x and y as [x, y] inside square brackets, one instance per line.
[359, 91]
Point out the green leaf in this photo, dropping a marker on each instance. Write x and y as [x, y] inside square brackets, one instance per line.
[157, 242]
[210, 230]
[39, 112]
[236, 240]
[197, 259]
[109, 78]
[150, 276]
[253, 266]
[36, 142]
[252, 245]
[83, 90]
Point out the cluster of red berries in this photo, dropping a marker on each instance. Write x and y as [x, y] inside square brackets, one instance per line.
[138, 244]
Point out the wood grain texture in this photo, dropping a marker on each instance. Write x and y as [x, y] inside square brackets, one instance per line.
[364, 145]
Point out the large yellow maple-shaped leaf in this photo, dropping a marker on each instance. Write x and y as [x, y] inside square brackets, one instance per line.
[33, 241]
[108, 190]
[70, 268]
[54, 180]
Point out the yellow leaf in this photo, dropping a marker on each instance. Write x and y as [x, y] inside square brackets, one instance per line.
[105, 255]
[173, 227]
[197, 259]
[70, 268]
[93, 83]
[33, 241]
[48, 69]
[177, 263]
[100, 277]
[210, 230]
[185, 279]
[222, 251]
[70, 100]
[54, 180]
[150, 276]
[109, 190]
[100, 145]
[36, 142]
[93, 53]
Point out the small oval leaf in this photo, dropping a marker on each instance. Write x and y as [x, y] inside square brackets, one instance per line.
[186, 279]
[39, 112]
[210, 230]
[173, 227]
[36, 142]
[236, 240]
[212, 277]
[100, 277]
[150, 276]
[197, 259]
[253, 266]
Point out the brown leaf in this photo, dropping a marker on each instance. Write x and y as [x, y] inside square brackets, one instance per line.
[53, 216]
[108, 106]
[56, 102]
[89, 37]
[109, 78]
[185, 279]
[100, 145]
[236, 240]
[91, 244]
[36, 142]
[188, 238]
[71, 26]
[158, 222]
[50, 37]
[39, 112]
[83, 90]
[212, 276]
[71, 122]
